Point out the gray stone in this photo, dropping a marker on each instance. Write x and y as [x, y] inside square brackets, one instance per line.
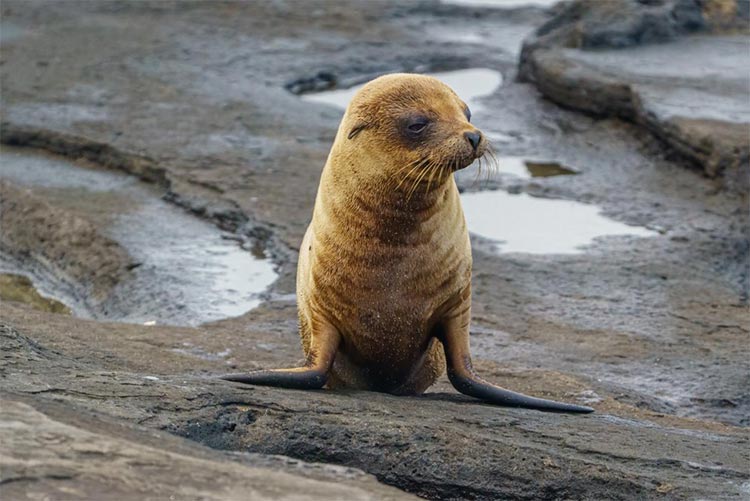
[691, 92]
[55, 453]
[440, 445]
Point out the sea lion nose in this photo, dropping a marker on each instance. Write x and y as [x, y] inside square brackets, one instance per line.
[474, 138]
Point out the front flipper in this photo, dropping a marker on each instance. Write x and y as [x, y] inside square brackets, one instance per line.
[455, 338]
[312, 376]
[299, 378]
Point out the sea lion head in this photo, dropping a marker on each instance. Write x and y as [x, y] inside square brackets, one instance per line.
[410, 127]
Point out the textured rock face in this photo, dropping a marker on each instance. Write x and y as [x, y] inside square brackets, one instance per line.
[441, 445]
[590, 24]
[691, 93]
[47, 458]
[35, 231]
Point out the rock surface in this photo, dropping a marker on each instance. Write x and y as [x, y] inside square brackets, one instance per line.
[652, 332]
[54, 239]
[44, 457]
[441, 445]
[623, 58]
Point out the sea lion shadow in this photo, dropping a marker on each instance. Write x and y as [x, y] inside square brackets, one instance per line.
[434, 396]
[456, 398]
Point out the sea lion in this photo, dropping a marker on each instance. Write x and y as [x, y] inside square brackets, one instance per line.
[384, 273]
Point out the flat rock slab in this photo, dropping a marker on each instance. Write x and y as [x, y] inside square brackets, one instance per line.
[633, 60]
[441, 445]
[44, 457]
[697, 77]
[691, 93]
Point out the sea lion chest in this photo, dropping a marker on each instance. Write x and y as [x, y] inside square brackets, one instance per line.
[384, 278]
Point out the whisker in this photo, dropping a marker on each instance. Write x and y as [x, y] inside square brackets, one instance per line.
[479, 173]
[419, 179]
[429, 183]
[415, 167]
[450, 168]
[493, 158]
[409, 165]
[492, 161]
[414, 183]
[491, 152]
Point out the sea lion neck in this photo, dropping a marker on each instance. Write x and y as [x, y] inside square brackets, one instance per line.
[375, 206]
[381, 186]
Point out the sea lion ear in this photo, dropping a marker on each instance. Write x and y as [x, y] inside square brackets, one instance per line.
[357, 129]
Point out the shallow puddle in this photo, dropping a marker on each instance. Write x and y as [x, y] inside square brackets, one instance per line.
[525, 168]
[522, 223]
[470, 84]
[190, 272]
[498, 137]
[547, 169]
[10, 32]
[19, 288]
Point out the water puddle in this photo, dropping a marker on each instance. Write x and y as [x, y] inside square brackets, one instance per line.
[516, 167]
[470, 84]
[526, 169]
[189, 273]
[193, 351]
[10, 32]
[19, 288]
[499, 137]
[532, 225]
[547, 169]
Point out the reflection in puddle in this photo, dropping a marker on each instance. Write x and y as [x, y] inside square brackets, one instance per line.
[10, 32]
[522, 223]
[19, 288]
[526, 169]
[469, 38]
[197, 352]
[469, 84]
[189, 273]
[547, 169]
[498, 137]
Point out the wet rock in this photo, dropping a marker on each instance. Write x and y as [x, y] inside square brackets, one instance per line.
[77, 147]
[57, 243]
[440, 445]
[323, 80]
[649, 331]
[691, 92]
[20, 288]
[589, 24]
[51, 452]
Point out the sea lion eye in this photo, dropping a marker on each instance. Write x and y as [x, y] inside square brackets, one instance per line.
[467, 112]
[417, 127]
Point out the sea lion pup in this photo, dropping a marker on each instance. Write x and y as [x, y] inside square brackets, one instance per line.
[384, 274]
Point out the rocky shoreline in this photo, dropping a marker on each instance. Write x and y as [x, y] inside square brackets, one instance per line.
[196, 101]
